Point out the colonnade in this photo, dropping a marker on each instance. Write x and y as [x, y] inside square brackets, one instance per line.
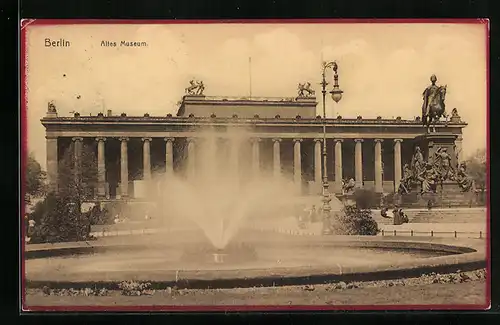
[233, 155]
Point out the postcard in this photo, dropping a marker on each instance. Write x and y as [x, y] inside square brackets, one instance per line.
[272, 165]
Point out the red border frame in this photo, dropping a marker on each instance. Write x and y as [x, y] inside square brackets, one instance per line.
[23, 124]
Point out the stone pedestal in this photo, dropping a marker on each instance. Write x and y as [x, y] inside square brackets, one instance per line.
[447, 195]
[306, 99]
[430, 143]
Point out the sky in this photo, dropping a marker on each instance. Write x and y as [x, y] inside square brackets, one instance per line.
[383, 68]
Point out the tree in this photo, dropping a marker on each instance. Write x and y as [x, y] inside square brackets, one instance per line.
[59, 220]
[354, 221]
[35, 179]
[59, 217]
[77, 178]
[476, 168]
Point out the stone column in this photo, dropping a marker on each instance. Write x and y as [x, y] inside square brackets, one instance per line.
[77, 146]
[297, 163]
[358, 162]
[458, 149]
[397, 163]
[256, 156]
[124, 166]
[191, 157]
[234, 154]
[146, 158]
[378, 166]
[169, 156]
[101, 167]
[317, 162]
[338, 165]
[276, 158]
[52, 163]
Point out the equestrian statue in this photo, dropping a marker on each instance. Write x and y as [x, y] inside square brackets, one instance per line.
[433, 107]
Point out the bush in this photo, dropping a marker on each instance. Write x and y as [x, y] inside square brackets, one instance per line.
[98, 216]
[34, 179]
[390, 199]
[355, 221]
[58, 219]
[132, 288]
[365, 199]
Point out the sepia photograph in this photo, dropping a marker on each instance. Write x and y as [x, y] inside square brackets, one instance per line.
[273, 165]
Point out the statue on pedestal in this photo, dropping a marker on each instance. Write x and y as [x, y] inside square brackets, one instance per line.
[465, 182]
[442, 164]
[305, 87]
[428, 179]
[417, 162]
[348, 185]
[433, 107]
[406, 183]
[51, 107]
[455, 117]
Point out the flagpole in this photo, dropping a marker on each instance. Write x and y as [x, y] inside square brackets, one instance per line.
[250, 74]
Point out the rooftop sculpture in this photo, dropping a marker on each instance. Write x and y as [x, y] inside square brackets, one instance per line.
[51, 107]
[195, 88]
[304, 90]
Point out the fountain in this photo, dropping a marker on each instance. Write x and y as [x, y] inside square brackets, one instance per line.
[223, 193]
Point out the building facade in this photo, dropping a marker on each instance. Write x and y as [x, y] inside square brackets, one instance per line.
[284, 138]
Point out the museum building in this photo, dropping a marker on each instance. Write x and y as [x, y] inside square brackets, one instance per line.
[285, 138]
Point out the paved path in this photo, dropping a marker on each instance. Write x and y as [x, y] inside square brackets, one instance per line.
[464, 230]
[290, 226]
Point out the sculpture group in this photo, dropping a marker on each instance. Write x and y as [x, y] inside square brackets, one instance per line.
[195, 88]
[433, 172]
[348, 185]
[305, 90]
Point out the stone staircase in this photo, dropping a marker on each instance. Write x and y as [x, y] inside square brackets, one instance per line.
[463, 215]
[446, 201]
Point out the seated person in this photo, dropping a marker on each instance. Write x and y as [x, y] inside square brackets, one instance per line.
[397, 215]
[404, 217]
[383, 212]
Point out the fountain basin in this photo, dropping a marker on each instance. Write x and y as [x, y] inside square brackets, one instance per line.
[204, 253]
[219, 257]
[280, 260]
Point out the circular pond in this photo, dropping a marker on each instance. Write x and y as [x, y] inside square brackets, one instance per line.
[262, 259]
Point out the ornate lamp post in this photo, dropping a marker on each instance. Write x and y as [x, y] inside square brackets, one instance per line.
[336, 96]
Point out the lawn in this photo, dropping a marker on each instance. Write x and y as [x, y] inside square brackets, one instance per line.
[473, 292]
